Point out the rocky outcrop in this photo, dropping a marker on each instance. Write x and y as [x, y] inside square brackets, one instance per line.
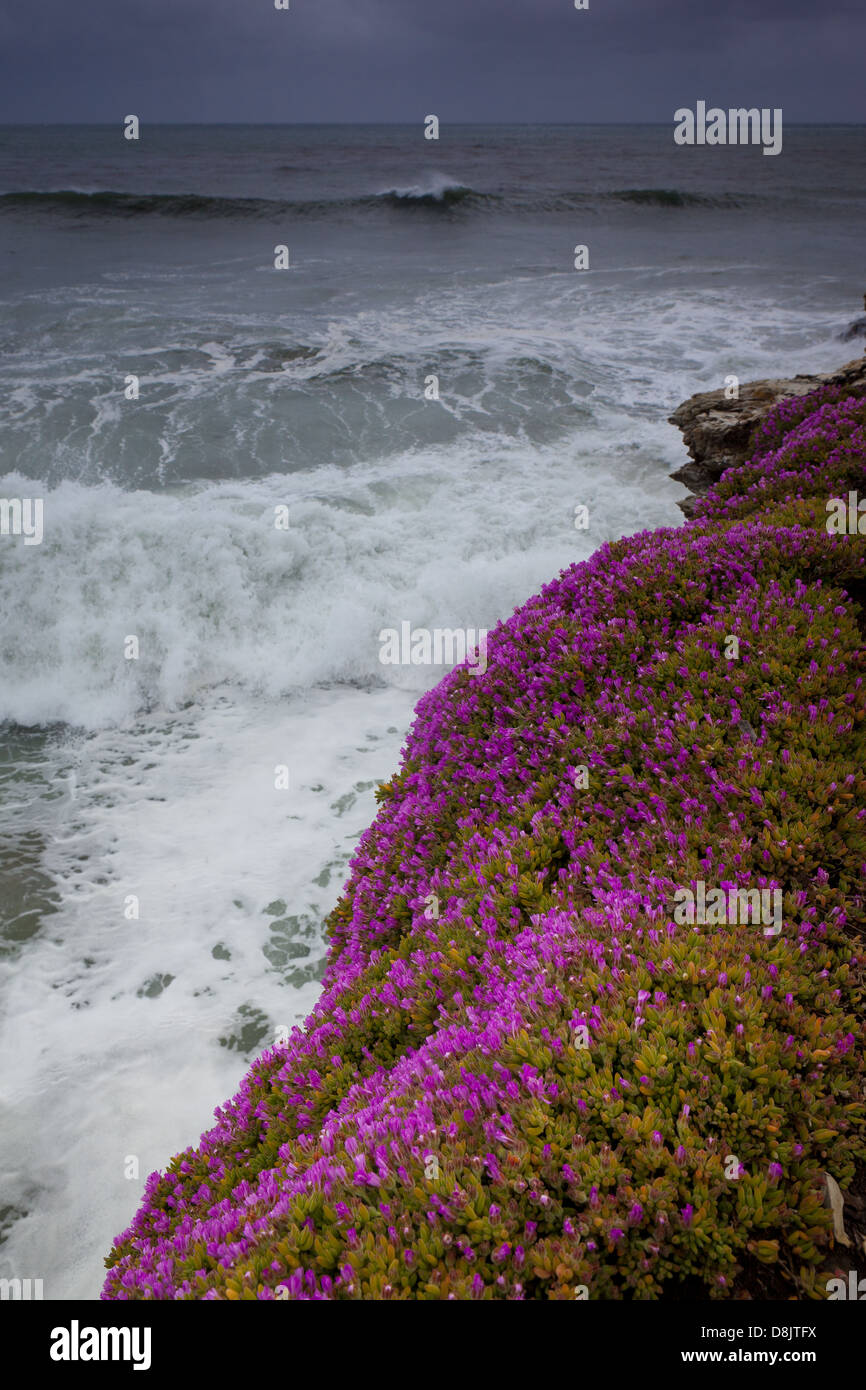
[857, 329]
[717, 431]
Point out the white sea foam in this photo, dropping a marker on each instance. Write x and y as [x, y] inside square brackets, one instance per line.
[215, 593]
[435, 185]
[105, 1058]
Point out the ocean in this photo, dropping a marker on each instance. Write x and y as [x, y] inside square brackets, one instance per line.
[177, 812]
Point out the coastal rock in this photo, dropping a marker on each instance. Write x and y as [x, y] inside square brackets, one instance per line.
[717, 431]
[857, 329]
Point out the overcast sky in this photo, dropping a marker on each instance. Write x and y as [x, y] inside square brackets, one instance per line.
[398, 60]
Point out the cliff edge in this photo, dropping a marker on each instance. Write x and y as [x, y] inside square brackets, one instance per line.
[589, 1027]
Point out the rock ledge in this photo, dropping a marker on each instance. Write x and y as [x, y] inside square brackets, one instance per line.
[717, 431]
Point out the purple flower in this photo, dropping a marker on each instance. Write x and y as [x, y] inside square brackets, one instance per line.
[444, 1036]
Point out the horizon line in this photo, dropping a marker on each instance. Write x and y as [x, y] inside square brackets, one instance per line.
[8, 124]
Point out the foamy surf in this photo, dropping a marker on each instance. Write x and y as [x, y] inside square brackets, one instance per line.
[216, 594]
[191, 897]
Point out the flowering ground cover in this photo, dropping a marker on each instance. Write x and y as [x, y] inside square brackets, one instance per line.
[524, 1078]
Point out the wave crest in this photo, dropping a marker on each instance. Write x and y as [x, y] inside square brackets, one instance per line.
[105, 203]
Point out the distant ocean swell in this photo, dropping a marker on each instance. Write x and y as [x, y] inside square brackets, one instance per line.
[438, 197]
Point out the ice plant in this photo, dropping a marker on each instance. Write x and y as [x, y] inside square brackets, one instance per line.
[580, 1115]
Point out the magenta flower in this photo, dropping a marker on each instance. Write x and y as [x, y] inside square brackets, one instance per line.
[452, 1055]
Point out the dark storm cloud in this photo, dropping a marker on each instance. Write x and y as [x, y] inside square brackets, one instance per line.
[393, 60]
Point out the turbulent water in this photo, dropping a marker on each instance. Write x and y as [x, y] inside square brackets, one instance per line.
[148, 785]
